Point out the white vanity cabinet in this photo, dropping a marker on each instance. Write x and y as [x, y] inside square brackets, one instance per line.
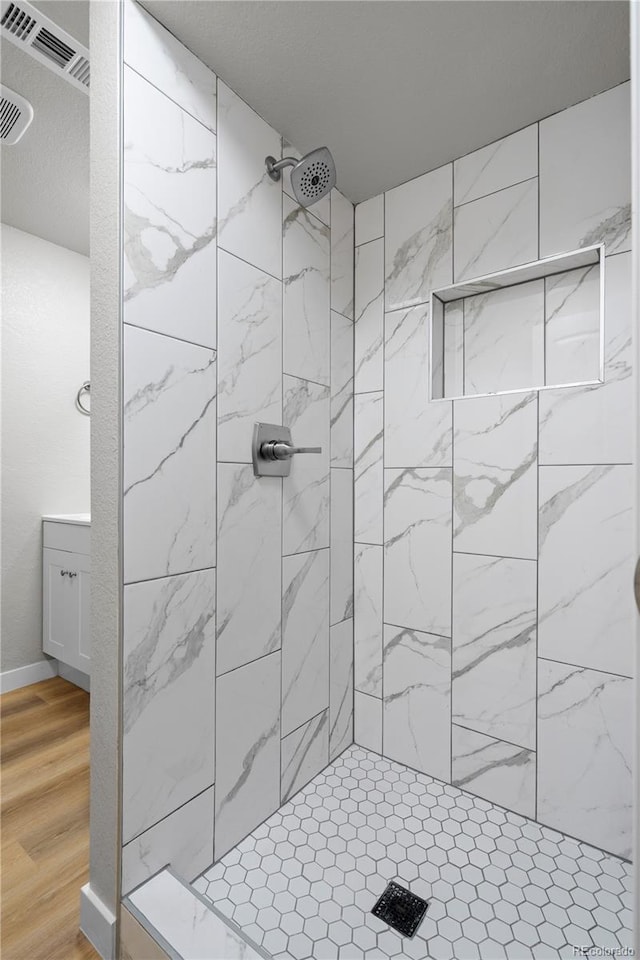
[66, 573]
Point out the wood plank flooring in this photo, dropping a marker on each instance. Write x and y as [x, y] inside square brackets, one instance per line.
[44, 790]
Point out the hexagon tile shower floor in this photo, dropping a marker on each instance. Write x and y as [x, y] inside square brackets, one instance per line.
[499, 886]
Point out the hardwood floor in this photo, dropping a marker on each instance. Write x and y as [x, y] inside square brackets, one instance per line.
[45, 821]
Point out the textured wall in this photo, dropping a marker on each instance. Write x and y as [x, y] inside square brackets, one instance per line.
[106, 444]
[238, 306]
[45, 359]
[493, 554]
[635, 202]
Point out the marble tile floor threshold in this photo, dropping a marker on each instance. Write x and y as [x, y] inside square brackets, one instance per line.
[303, 884]
[182, 924]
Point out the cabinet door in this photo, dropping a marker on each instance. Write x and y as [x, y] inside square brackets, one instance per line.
[66, 579]
[57, 596]
[82, 653]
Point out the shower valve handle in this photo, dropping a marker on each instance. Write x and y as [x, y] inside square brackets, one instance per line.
[272, 450]
[283, 450]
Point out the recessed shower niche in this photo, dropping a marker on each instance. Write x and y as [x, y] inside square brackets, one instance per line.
[534, 326]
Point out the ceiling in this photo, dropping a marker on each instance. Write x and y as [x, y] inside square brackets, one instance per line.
[45, 176]
[393, 87]
[396, 88]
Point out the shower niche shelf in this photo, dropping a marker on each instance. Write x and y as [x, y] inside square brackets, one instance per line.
[532, 327]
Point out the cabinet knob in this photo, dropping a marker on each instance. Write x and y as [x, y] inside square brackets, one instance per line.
[72, 573]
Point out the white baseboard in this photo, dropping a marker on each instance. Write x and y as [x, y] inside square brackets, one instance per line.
[97, 923]
[23, 676]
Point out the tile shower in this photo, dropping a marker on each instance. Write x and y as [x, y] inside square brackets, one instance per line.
[493, 554]
[446, 585]
[238, 596]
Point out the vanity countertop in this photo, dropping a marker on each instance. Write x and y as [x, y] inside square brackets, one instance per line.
[83, 519]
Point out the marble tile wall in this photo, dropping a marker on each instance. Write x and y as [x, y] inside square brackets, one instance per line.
[493, 552]
[477, 625]
[238, 620]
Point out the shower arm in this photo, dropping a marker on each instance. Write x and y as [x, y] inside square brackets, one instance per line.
[275, 166]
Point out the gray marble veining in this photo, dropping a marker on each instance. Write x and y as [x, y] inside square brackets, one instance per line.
[249, 577]
[340, 687]
[169, 455]
[500, 164]
[169, 237]
[305, 637]
[184, 839]
[586, 566]
[585, 181]
[494, 647]
[417, 550]
[369, 316]
[168, 681]
[306, 493]
[341, 391]
[304, 753]
[595, 424]
[417, 700]
[495, 481]
[247, 749]
[250, 207]
[584, 754]
[341, 545]
[370, 219]
[342, 252]
[497, 771]
[418, 238]
[572, 326]
[367, 721]
[417, 433]
[368, 618]
[249, 354]
[158, 56]
[496, 232]
[306, 293]
[368, 466]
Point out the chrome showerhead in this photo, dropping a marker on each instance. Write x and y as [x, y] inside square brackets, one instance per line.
[311, 178]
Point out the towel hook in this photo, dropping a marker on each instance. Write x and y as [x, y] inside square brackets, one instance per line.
[84, 389]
